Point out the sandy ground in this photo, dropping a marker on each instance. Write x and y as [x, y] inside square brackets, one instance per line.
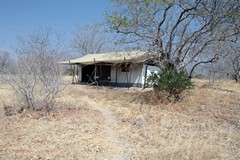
[110, 130]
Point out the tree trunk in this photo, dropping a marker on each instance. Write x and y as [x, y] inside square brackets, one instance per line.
[237, 78]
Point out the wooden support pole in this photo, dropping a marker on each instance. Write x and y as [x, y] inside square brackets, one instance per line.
[73, 78]
[72, 69]
[145, 76]
[95, 70]
[116, 74]
[126, 73]
[77, 73]
[100, 74]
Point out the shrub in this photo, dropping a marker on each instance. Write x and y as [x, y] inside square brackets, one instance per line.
[171, 81]
[37, 78]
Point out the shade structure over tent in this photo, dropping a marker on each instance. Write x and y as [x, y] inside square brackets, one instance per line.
[111, 57]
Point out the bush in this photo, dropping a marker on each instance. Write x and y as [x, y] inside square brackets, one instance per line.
[37, 77]
[171, 81]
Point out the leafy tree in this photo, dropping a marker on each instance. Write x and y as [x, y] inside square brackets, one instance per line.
[176, 33]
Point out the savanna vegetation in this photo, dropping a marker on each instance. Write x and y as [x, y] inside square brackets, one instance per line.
[43, 116]
[140, 125]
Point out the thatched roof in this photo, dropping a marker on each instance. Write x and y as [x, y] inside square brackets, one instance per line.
[111, 57]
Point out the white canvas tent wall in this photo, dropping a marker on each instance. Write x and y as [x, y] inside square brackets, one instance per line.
[136, 76]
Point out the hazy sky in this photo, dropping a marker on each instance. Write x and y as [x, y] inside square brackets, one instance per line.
[23, 16]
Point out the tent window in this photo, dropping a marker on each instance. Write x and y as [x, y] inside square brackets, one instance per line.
[125, 67]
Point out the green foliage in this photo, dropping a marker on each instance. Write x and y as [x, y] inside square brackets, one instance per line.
[171, 81]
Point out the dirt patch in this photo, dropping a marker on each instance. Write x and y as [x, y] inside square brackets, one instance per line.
[110, 130]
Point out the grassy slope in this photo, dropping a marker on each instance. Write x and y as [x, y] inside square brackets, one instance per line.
[204, 125]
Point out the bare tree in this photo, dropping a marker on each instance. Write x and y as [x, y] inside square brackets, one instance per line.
[178, 33]
[236, 68]
[227, 64]
[38, 76]
[232, 60]
[90, 40]
[4, 60]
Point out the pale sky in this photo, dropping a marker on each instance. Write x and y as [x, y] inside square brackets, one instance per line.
[24, 16]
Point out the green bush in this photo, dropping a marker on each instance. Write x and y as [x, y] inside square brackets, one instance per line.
[171, 81]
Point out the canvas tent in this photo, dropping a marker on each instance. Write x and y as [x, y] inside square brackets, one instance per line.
[124, 69]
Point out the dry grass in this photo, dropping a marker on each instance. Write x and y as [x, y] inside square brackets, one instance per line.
[7, 97]
[204, 125]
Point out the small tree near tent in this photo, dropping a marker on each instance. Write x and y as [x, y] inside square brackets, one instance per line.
[170, 81]
[175, 33]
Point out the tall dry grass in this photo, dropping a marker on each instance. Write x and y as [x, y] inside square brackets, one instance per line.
[205, 124]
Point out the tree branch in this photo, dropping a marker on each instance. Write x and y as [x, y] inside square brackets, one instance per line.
[213, 59]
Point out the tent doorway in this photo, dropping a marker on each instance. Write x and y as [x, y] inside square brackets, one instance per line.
[88, 73]
[103, 74]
